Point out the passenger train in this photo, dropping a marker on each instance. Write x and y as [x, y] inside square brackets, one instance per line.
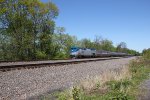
[77, 52]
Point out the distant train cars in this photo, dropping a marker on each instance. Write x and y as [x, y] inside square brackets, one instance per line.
[77, 52]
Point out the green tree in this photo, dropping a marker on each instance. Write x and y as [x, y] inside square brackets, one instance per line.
[28, 24]
[107, 45]
[146, 54]
[63, 42]
[87, 43]
[122, 47]
[97, 42]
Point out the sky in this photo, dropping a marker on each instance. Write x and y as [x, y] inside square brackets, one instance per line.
[117, 20]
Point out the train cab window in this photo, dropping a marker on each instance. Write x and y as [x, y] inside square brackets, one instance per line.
[74, 49]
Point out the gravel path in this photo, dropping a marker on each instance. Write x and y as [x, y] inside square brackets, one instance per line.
[28, 83]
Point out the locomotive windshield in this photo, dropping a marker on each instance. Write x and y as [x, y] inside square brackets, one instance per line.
[74, 49]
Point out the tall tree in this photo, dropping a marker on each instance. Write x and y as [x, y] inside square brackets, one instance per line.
[107, 45]
[146, 54]
[97, 42]
[28, 24]
[87, 43]
[122, 47]
[63, 42]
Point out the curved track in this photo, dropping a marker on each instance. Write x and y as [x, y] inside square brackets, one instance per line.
[37, 64]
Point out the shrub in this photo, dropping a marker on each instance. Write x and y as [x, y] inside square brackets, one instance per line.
[76, 93]
[60, 55]
[40, 55]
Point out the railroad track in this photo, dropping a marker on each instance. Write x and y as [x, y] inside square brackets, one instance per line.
[37, 64]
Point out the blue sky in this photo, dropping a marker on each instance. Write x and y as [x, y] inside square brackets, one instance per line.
[117, 20]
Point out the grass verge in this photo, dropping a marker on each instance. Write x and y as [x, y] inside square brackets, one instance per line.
[116, 84]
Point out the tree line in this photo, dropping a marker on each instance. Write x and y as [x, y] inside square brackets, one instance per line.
[28, 32]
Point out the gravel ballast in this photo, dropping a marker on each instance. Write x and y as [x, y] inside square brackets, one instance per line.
[30, 83]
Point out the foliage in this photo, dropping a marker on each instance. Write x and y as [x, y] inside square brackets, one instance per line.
[121, 47]
[98, 44]
[146, 54]
[104, 44]
[40, 55]
[76, 93]
[25, 27]
[63, 42]
[107, 45]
